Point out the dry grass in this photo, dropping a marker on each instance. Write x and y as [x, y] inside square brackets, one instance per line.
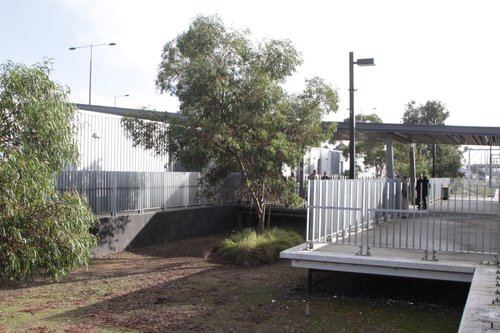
[175, 288]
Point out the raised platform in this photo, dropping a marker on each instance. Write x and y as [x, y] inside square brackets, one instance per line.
[482, 310]
[387, 261]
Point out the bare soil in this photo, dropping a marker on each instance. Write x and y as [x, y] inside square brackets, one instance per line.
[178, 287]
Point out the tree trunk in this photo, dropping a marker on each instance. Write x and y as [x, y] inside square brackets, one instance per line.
[261, 212]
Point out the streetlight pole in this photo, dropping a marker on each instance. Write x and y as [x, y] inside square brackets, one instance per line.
[126, 95]
[90, 70]
[352, 120]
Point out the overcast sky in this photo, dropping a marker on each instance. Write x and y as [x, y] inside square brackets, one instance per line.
[424, 50]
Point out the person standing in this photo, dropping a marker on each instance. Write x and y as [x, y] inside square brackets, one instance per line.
[422, 189]
[313, 176]
[418, 188]
[311, 190]
[425, 191]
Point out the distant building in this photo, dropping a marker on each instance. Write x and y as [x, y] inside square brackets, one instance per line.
[324, 159]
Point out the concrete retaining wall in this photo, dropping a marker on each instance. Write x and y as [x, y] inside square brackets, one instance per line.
[120, 233]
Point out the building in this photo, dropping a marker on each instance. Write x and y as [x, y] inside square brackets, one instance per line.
[322, 160]
[104, 146]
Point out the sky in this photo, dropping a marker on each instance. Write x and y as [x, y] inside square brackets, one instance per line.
[444, 50]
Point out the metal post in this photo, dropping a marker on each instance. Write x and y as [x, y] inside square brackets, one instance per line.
[90, 67]
[413, 173]
[352, 122]
[491, 162]
[390, 158]
[433, 160]
[90, 77]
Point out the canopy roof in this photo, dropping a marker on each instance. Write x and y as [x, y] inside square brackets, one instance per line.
[404, 133]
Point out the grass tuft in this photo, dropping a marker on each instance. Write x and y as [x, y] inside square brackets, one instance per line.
[248, 248]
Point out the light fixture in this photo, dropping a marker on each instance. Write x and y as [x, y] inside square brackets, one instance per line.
[90, 71]
[125, 95]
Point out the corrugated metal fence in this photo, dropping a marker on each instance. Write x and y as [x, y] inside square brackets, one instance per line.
[345, 203]
[110, 192]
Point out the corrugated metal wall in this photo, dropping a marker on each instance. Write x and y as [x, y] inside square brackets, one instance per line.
[103, 146]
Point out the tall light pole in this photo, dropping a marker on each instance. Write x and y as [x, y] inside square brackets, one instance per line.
[352, 121]
[90, 71]
[126, 95]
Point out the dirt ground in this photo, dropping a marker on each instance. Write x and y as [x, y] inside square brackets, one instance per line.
[178, 287]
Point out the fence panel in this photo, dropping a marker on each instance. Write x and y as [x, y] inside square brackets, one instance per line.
[379, 213]
[109, 192]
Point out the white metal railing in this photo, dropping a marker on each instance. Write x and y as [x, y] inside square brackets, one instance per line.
[109, 192]
[380, 213]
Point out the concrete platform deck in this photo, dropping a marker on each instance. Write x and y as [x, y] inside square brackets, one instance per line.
[482, 310]
[396, 248]
[387, 261]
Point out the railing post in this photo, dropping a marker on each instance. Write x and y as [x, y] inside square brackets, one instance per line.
[186, 190]
[114, 183]
[308, 217]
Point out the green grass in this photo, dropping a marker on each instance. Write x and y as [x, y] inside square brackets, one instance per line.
[249, 248]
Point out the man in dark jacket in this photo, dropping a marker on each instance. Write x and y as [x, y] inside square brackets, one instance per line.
[422, 191]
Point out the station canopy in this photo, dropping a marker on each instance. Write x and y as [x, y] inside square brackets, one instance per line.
[404, 133]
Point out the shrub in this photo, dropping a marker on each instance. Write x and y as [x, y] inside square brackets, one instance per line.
[42, 232]
[248, 248]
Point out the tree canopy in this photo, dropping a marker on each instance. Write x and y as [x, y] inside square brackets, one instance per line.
[373, 153]
[237, 115]
[430, 113]
[42, 232]
[448, 157]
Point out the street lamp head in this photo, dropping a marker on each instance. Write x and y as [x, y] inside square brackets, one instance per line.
[90, 70]
[352, 119]
[91, 46]
[124, 95]
[365, 62]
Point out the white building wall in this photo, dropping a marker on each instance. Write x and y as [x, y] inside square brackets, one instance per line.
[104, 146]
[323, 159]
[330, 161]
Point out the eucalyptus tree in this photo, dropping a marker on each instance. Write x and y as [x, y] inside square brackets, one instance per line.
[448, 157]
[42, 232]
[237, 115]
[373, 152]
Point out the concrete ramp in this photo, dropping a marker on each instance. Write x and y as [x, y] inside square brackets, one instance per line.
[482, 310]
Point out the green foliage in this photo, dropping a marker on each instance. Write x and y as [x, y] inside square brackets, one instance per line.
[449, 161]
[430, 113]
[35, 115]
[374, 154]
[237, 116]
[42, 233]
[448, 157]
[251, 248]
